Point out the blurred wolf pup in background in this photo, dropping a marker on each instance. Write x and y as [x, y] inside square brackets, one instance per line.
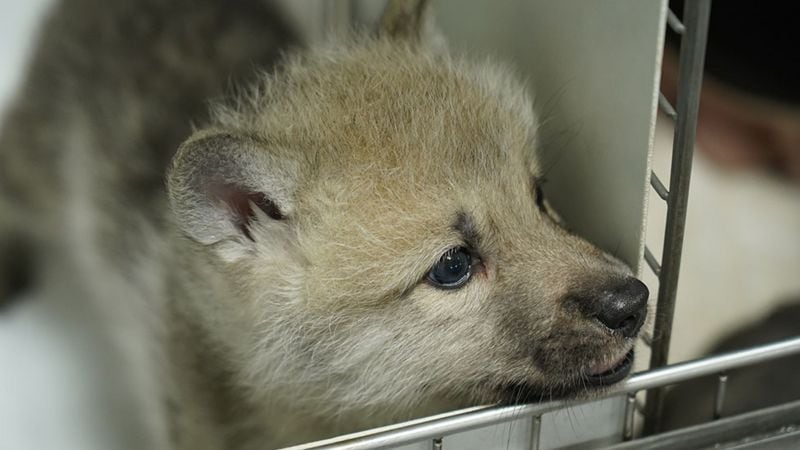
[356, 235]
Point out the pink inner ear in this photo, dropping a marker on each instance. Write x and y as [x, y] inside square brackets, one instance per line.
[240, 201]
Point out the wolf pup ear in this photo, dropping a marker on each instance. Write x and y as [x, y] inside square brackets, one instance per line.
[410, 20]
[223, 185]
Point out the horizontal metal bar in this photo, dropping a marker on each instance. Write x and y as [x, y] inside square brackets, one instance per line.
[325, 443]
[651, 261]
[658, 186]
[760, 425]
[781, 439]
[675, 23]
[422, 429]
[705, 366]
[666, 106]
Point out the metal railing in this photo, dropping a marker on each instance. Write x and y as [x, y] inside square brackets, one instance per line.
[435, 428]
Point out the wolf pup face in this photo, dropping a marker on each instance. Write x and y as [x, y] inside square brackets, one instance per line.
[375, 217]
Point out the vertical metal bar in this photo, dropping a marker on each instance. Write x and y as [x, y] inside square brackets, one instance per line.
[437, 444]
[690, 76]
[630, 412]
[719, 398]
[536, 432]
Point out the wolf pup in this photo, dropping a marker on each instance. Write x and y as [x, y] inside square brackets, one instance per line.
[358, 237]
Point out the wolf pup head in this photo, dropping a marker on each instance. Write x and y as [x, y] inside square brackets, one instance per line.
[372, 228]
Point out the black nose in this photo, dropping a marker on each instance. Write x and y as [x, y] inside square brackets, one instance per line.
[621, 307]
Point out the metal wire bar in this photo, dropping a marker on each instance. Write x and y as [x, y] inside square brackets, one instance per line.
[423, 429]
[719, 397]
[658, 186]
[675, 23]
[666, 106]
[630, 412]
[760, 426]
[690, 75]
[536, 432]
[651, 261]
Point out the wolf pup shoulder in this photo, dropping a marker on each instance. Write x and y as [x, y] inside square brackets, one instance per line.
[357, 236]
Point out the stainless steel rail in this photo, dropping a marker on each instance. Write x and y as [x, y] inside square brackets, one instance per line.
[775, 427]
[436, 427]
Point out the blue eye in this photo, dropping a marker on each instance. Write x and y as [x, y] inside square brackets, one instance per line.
[452, 270]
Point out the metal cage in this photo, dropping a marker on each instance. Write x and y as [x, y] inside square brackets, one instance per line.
[778, 425]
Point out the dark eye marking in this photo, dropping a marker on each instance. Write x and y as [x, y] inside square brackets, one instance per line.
[465, 225]
[453, 269]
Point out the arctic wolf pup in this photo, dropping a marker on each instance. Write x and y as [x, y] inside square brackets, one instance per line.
[358, 237]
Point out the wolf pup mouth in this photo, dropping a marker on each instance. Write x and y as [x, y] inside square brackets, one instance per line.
[607, 374]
